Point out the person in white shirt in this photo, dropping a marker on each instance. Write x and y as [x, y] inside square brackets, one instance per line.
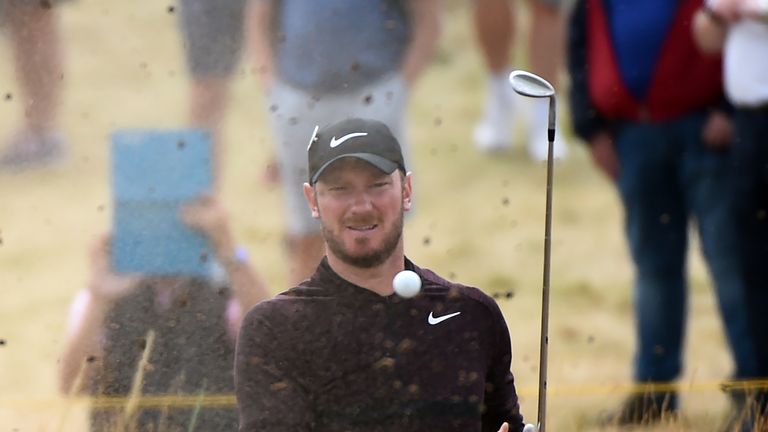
[739, 28]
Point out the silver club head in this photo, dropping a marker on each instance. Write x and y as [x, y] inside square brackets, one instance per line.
[528, 84]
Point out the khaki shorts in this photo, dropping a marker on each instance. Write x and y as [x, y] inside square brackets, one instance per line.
[213, 35]
[293, 116]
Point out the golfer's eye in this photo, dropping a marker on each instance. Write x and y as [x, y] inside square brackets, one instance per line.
[379, 185]
[338, 189]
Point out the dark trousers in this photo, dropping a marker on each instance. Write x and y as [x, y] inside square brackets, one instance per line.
[750, 163]
[668, 178]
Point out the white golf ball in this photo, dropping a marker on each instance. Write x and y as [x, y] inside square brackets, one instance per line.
[406, 284]
[529, 428]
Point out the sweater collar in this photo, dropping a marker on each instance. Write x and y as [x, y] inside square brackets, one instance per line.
[326, 277]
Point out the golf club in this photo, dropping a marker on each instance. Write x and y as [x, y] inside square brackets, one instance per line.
[530, 85]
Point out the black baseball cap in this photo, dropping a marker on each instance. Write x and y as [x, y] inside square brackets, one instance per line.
[369, 140]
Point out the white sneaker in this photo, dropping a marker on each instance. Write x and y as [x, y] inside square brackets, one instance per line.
[538, 142]
[494, 131]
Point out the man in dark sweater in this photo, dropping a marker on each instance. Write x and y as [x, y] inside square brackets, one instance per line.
[341, 351]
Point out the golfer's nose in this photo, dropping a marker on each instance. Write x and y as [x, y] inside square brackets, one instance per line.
[362, 202]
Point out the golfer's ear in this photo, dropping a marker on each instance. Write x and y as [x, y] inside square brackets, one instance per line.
[309, 194]
[407, 192]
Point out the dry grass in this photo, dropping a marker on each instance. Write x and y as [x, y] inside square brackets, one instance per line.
[479, 220]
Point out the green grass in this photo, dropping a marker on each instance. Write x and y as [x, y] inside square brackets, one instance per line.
[482, 216]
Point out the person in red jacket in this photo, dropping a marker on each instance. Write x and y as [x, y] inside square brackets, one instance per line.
[650, 106]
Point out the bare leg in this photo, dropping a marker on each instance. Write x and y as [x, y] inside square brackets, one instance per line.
[208, 103]
[37, 57]
[546, 41]
[545, 46]
[494, 26]
[38, 60]
[305, 253]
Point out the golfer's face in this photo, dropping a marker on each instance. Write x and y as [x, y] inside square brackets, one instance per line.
[361, 210]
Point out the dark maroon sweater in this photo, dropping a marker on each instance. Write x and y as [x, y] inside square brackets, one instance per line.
[332, 356]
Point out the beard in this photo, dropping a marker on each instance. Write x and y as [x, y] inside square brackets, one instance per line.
[370, 258]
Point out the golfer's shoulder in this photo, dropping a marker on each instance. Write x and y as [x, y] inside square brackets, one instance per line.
[434, 285]
[299, 301]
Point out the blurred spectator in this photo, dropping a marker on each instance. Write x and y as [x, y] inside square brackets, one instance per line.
[34, 32]
[495, 26]
[740, 29]
[323, 61]
[213, 36]
[648, 104]
[194, 321]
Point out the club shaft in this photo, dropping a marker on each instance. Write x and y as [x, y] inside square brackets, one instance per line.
[544, 342]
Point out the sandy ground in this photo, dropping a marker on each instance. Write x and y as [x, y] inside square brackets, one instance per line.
[479, 220]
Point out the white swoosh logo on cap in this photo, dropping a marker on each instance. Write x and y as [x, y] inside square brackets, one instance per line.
[337, 142]
[433, 321]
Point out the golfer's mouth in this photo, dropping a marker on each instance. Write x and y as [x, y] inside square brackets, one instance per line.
[362, 228]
